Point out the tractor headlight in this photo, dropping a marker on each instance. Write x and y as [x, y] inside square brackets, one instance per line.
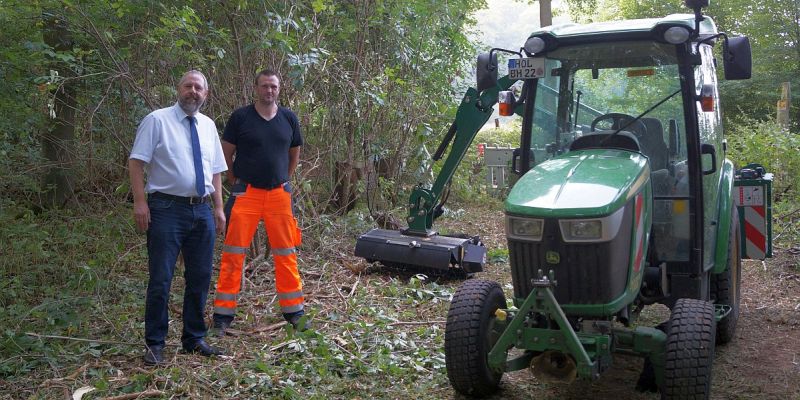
[586, 229]
[592, 230]
[524, 228]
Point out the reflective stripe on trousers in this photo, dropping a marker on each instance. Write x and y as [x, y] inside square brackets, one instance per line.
[274, 207]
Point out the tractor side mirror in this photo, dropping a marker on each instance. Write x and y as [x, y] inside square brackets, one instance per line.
[487, 71]
[708, 149]
[737, 58]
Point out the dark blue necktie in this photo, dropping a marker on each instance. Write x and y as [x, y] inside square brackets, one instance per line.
[199, 181]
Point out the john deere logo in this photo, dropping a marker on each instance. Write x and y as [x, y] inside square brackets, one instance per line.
[552, 257]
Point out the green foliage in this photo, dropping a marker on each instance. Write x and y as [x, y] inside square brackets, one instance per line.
[497, 256]
[57, 267]
[366, 349]
[774, 147]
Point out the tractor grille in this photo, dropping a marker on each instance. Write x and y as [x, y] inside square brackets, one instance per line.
[587, 273]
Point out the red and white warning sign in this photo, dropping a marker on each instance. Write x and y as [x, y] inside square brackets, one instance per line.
[751, 201]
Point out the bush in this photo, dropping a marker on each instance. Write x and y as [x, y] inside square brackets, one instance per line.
[774, 147]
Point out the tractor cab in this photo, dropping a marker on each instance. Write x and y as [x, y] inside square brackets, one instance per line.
[603, 99]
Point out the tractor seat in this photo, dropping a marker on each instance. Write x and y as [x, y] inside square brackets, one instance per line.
[662, 182]
[605, 140]
[653, 145]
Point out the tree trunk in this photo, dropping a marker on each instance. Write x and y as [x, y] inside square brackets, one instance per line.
[346, 177]
[545, 13]
[58, 145]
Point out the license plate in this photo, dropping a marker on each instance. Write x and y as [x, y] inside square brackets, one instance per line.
[526, 68]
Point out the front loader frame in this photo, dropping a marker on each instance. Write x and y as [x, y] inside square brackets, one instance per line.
[591, 350]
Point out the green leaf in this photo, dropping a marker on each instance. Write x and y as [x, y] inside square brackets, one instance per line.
[319, 5]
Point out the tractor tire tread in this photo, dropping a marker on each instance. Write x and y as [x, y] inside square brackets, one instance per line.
[689, 350]
[465, 355]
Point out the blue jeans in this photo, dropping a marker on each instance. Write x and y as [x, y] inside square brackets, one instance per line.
[176, 227]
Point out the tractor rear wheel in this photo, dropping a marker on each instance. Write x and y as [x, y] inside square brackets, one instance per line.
[690, 350]
[726, 286]
[469, 336]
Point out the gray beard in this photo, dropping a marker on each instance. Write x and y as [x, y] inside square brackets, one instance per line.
[189, 108]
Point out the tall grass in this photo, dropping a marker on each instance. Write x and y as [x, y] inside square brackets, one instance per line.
[61, 270]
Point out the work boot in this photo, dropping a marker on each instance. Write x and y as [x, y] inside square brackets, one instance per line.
[154, 355]
[219, 328]
[298, 322]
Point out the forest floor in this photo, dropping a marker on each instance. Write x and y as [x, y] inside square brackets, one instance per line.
[376, 334]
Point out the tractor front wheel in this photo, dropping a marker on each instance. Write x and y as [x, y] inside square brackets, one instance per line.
[690, 350]
[469, 336]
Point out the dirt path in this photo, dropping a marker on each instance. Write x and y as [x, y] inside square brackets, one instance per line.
[762, 362]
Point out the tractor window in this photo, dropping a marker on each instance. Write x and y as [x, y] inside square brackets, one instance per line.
[547, 98]
[605, 86]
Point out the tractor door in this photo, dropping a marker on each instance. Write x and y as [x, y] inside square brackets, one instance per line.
[709, 126]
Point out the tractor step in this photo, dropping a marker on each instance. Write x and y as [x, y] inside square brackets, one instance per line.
[442, 253]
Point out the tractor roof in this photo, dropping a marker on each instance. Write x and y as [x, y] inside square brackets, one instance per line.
[621, 29]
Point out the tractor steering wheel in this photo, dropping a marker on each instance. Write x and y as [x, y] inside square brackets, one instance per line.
[619, 120]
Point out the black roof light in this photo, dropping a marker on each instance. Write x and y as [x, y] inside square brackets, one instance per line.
[540, 43]
[677, 34]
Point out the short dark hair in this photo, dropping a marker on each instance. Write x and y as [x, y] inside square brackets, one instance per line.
[266, 72]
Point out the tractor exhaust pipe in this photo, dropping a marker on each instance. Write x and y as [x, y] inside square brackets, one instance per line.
[553, 366]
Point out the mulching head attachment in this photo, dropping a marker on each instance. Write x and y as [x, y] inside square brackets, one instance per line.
[434, 252]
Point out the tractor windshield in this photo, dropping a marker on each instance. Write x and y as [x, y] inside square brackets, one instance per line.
[633, 86]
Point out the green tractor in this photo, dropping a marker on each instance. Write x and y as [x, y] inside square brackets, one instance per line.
[624, 199]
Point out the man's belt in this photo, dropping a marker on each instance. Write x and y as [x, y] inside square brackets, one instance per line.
[181, 199]
[264, 187]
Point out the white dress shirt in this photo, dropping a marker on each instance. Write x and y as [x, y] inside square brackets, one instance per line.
[163, 142]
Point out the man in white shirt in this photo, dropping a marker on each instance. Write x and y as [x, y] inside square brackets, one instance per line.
[180, 150]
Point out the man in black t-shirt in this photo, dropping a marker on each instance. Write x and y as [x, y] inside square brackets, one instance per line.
[265, 139]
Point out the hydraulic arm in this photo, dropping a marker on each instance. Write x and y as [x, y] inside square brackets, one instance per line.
[418, 246]
[473, 112]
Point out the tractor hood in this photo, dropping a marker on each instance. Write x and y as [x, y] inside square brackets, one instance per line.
[590, 183]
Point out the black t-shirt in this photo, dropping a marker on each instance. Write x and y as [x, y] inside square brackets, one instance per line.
[262, 147]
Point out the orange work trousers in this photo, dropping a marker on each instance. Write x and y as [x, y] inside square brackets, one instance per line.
[274, 207]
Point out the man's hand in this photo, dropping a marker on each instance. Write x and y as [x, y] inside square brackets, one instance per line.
[219, 219]
[228, 150]
[141, 214]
